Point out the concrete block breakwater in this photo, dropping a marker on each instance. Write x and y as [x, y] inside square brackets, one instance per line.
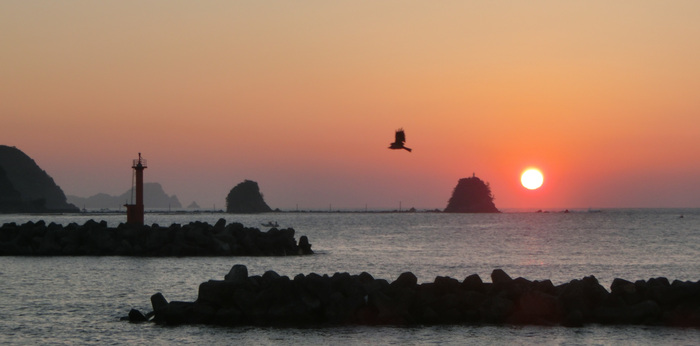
[343, 299]
[193, 239]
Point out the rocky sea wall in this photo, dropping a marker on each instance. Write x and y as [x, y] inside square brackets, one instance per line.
[194, 239]
[343, 299]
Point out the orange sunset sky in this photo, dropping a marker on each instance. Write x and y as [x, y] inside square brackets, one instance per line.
[304, 97]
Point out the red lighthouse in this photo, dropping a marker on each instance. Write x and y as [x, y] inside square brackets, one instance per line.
[134, 212]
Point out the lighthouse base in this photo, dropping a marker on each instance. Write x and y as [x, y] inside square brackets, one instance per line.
[134, 214]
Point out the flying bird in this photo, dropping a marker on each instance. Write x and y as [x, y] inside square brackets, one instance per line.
[398, 141]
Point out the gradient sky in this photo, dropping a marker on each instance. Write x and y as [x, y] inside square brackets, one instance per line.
[304, 97]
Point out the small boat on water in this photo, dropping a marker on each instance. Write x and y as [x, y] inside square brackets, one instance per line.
[271, 224]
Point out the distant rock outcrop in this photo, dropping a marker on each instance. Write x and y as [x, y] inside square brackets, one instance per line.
[26, 188]
[153, 197]
[471, 195]
[245, 198]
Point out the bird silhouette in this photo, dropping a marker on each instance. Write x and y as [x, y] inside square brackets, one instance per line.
[400, 137]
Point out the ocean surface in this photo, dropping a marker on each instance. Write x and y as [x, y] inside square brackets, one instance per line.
[79, 300]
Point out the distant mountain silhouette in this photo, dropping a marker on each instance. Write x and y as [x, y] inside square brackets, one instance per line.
[26, 188]
[154, 197]
[471, 195]
[193, 205]
[245, 198]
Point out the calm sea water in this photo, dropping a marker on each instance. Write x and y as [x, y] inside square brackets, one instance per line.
[79, 300]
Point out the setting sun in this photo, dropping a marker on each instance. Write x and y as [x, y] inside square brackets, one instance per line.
[532, 179]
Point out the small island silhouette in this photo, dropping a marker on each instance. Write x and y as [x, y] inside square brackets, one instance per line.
[245, 198]
[471, 195]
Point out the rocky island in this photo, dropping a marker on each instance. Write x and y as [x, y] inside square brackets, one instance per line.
[314, 300]
[471, 195]
[245, 198]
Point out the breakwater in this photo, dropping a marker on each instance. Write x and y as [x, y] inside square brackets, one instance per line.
[343, 299]
[194, 239]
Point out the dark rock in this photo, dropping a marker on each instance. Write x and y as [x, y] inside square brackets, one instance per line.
[365, 277]
[136, 316]
[536, 307]
[573, 318]
[498, 276]
[195, 239]
[387, 311]
[445, 285]
[545, 286]
[583, 295]
[622, 287]
[304, 246]
[201, 314]
[406, 279]
[175, 313]
[228, 316]
[473, 283]
[684, 290]
[681, 316]
[345, 299]
[237, 272]
[645, 312]
[245, 198]
[158, 301]
[350, 286]
[447, 308]
[471, 195]
[658, 290]
[269, 277]
[220, 225]
[496, 310]
[223, 293]
[472, 300]
[319, 286]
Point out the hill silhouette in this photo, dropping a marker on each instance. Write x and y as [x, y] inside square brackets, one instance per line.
[153, 197]
[245, 198]
[471, 195]
[26, 188]
[10, 198]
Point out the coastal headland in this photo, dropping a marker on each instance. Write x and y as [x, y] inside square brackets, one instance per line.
[343, 299]
[194, 239]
